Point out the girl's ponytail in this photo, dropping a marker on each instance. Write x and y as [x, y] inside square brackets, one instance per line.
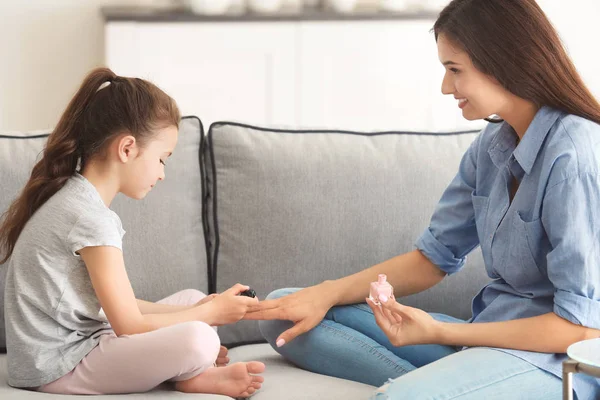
[104, 105]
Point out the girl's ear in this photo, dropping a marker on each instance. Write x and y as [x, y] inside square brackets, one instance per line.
[127, 148]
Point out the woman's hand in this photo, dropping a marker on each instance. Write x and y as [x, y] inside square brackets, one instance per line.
[405, 325]
[306, 308]
[228, 307]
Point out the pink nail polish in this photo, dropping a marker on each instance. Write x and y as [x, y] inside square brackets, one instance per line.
[380, 289]
[280, 342]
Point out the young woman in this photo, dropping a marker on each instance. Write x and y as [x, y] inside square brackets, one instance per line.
[64, 247]
[527, 191]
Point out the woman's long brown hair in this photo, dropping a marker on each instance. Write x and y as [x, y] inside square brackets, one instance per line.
[514, 42]
[105, 106]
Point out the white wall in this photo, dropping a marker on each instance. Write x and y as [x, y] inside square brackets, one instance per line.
[47, 47]
[577, 23]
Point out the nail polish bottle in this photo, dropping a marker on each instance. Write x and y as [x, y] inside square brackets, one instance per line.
[380, 287]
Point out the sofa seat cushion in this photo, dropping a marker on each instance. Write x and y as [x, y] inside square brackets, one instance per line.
[282, 381]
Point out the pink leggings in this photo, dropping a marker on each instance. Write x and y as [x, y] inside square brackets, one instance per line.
[138, 363]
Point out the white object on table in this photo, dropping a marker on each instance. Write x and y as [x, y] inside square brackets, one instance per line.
[394, 5]
[401, 5]
[584, 357]
[586, 352]
[342, 6]
[209, 7]
[265, 6]
[311, 3]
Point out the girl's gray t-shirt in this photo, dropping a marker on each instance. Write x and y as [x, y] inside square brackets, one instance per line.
[53, 317]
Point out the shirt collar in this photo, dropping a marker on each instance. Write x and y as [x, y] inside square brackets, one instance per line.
[92, 193]
[528, 149]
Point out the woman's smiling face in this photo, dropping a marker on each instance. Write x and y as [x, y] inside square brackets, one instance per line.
[479, 96]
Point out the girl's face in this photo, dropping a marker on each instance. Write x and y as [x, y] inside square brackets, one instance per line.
[148, 164]
[479, 95]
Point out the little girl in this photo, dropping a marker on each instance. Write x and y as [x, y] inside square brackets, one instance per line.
[64, 247]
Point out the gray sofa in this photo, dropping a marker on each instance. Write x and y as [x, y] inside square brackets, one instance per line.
[273, 208]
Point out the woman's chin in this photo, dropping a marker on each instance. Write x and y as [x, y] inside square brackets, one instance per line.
[136, 195]
[471, 116]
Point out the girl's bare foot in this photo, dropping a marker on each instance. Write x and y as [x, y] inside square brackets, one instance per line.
[222, 359]
[235, 380]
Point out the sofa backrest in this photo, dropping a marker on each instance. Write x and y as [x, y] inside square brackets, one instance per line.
[164, 247]
[293, 208]
[276, 208]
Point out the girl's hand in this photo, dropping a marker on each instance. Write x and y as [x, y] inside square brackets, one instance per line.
[228, 307]
[405, 325]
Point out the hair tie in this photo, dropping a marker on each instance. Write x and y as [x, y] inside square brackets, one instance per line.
[103, 85]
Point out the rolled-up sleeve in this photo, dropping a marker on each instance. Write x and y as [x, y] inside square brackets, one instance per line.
[452, 233]
[571, 219]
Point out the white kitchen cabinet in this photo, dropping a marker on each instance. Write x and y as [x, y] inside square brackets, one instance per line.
[352, 74]
[216, 71]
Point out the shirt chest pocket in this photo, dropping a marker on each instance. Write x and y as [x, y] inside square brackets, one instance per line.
[526, 265]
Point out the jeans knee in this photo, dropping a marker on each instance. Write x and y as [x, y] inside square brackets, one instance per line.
[404, 387]
[381, 392]
[199, 342]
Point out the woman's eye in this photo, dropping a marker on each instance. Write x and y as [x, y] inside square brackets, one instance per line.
[454, 70]
[162, 162]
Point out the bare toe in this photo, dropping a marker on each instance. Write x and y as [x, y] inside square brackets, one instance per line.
[255, 367]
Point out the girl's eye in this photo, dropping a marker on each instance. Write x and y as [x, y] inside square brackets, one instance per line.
[454, 70]
[162, 162]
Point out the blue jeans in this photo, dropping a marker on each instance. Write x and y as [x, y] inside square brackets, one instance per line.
[348, 344]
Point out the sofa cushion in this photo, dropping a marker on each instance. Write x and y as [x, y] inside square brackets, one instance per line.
[18, 153]
[164, 246]
[293, 208]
